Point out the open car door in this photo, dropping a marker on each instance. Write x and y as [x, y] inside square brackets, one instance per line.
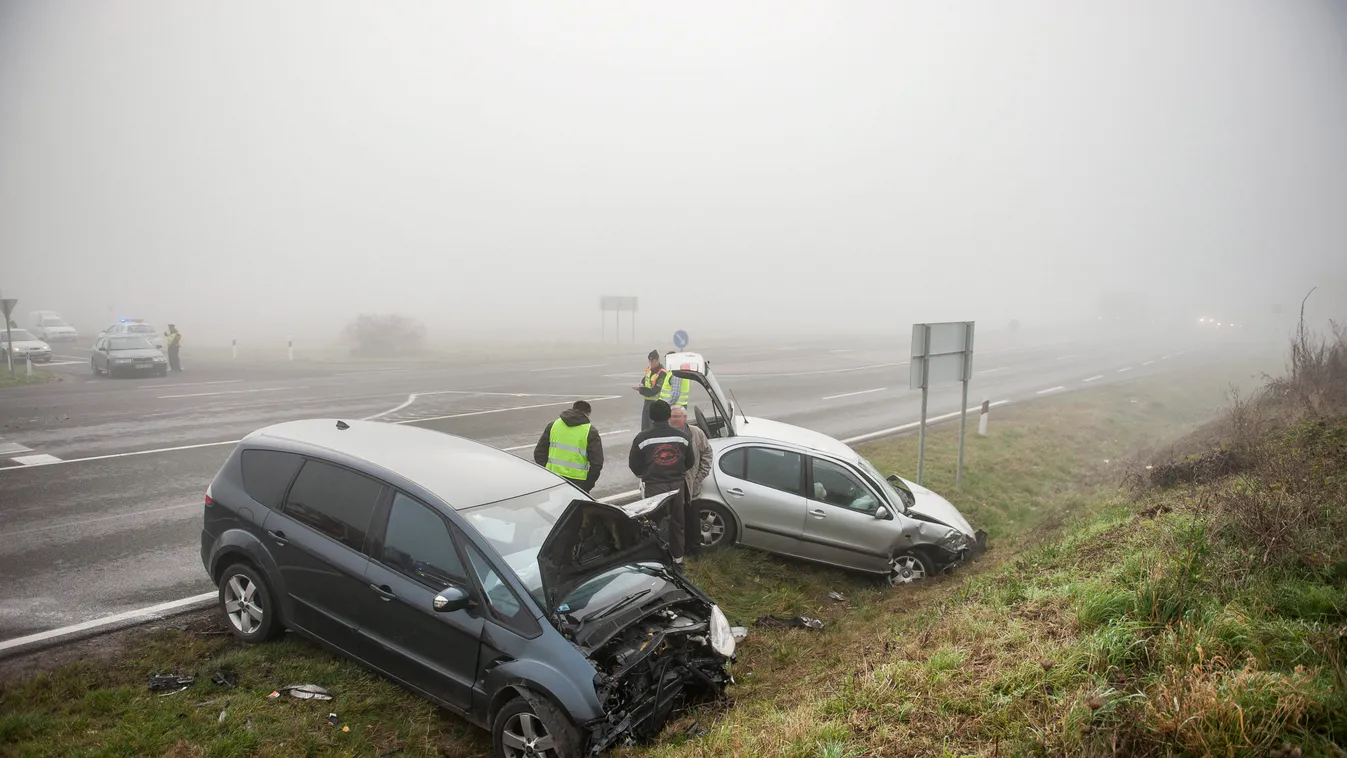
[717, 419]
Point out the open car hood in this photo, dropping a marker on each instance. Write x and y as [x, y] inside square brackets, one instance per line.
[592, 537]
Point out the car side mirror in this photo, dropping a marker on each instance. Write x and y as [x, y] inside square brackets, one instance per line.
[452, 599]
[891, 478]
[882, 513]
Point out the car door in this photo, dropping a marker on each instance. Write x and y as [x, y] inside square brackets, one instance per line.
[765, 487]
[416, 557]
[98, 358]
[841, 527]
[316, 539]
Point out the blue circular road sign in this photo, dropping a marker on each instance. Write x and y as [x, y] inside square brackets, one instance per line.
[680, 339]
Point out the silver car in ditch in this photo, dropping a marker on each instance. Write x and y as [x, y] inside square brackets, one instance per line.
[793, 491]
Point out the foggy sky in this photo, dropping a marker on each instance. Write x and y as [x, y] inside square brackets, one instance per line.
[744, 165]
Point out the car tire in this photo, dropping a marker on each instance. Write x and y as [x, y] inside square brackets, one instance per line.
[248, 604]
[531, 721]
[910, 567]
[715, 525]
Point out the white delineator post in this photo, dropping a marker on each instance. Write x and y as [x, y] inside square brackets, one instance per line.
[290, 348]
[234, 349]
[29, 361]
[982, 419]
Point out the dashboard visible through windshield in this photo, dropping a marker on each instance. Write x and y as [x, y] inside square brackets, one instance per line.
[518, 526]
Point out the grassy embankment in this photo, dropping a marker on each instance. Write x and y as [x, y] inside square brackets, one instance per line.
[1198, 608]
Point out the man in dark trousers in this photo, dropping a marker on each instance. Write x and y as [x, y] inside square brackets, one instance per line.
[571, 447]
[174, 345]
[650, 387]
[660, 456]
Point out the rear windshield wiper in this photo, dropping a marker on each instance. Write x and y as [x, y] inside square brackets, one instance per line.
[623, 603]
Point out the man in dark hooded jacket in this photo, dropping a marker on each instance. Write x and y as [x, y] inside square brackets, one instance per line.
[571, 447]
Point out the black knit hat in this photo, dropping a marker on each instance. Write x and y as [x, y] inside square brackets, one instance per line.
[654, 355]
[660, 411]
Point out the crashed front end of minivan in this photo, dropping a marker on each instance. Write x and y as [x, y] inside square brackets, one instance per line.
[656, 641]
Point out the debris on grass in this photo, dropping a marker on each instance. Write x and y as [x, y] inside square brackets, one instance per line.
[225, 679]
[793, 622]
[170, 684]
[332, 719]
[738, 632]
[839, 597]
[302, 692]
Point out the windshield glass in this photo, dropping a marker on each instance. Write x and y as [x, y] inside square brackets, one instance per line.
[892, 493]
[140, 329]
[20, 335]
[517, 528]
[52, 321]
[130, 343]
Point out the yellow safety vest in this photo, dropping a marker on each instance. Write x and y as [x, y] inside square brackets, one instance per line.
[567, 452]
[649, 381]
[675, 391]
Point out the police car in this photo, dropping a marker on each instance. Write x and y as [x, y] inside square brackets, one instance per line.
[135, 327]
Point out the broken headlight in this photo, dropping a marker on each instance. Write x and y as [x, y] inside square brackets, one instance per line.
[722, 639]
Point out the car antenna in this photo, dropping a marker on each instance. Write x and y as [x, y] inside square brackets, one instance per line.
[343, 425]
[739, 406]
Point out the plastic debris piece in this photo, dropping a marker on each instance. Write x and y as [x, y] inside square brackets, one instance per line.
[332, 719]
[738, 632]
[225, 678]
[346, 728]
[796, 622]
[695, 731]
[170, 684]
[304, 692]
[839, 597]
[274, 694]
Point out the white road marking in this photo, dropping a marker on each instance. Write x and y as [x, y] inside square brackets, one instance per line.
[122, 455]
[75, 362]
[501, 410]
[10, 448]
[1147, 363]
[68, 357]
[852, 394]
[915, 424]
[186, 384]
[1096, 377]
[233, 392]
[567, 368]
[993, 370]
[1050, 389]
[1124, 370]
[615, 431]
[413, 396]
[839, 351]
[525, 447]
[1166, 357]
[33, 460]
[1064, 357]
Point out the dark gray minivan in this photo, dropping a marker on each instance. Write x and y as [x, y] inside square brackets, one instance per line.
[479, 580]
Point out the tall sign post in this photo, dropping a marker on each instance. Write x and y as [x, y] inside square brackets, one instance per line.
[7, 306]
[618, 305]
[941, 353]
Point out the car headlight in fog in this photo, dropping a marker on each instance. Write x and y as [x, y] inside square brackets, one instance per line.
[722, 639]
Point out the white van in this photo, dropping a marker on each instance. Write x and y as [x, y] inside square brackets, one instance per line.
[49, 327]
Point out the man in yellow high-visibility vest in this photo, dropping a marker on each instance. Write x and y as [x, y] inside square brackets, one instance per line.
[571, 447]
[675, 391]
[652, 384]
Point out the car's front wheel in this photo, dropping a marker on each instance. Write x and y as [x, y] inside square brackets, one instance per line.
[715, 525]
[909, 567]
[247, 604]
[531, 726]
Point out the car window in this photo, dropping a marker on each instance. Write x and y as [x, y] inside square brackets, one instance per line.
[505, 606]
[835, 485]
[130, 343]
[140, 329]
[334, 501]
[267, 474]
[20, 335]
[778, 469]
[734, 463]
[417, 544]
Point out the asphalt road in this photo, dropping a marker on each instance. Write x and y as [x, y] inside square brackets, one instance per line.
[102, 480]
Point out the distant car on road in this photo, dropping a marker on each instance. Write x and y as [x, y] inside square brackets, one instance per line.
[486, 584]
[135, 327]
[49, 326]
[127, 355]
[793, 491]
[26, 346]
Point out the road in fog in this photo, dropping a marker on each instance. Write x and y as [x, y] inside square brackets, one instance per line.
[108, 520]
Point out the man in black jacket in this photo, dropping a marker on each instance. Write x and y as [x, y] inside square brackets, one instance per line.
[660, 457]
[582, 468]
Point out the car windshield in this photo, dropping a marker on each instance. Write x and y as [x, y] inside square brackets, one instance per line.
[20, 335]
[517, 528]
[892, 493]
[140, 329]
[129, 343]
[51, 321]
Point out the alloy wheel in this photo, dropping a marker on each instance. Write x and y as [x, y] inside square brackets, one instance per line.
[240, 603]
[712, 527]
[906, 569]
[525, 736]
